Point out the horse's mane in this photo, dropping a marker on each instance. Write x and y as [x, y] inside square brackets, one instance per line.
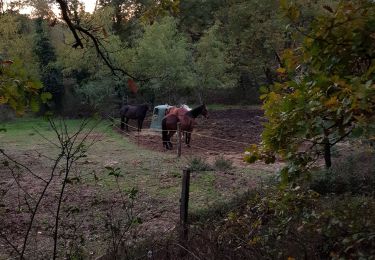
[195, 112]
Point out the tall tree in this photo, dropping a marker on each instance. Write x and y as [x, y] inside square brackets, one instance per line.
[197, 16]
[255, 33]
[211, 65]
[163, 55]
[51, 75]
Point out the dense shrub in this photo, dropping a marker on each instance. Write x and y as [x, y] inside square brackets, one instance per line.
[353, 174]
[293, 223]
[222, 164]
[6, 113]
[198, 164]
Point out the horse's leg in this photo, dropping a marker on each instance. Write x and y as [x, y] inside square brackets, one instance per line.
[126, 124]
[122, 122]
[168, 141]
[188, 138]
[139, 125]
[164, 138]
[164, 133]
[171, 133]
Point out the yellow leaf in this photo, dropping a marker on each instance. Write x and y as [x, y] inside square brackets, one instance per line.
[254, 241]
[3, 100]
[281, 70]
[331, 102]
[45, 96]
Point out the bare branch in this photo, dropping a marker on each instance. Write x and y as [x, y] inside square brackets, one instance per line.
[4, 237]
[76, 28]
[37, 205]
[21, 165]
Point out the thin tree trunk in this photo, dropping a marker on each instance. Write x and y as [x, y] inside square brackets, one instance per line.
[96, 6]
[327, 153]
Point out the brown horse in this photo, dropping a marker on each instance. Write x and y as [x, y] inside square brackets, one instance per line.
[178, 111]
[186, 119]
[137, 112]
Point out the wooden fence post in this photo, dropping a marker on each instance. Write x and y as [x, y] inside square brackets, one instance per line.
[178, 139]
[184, 207]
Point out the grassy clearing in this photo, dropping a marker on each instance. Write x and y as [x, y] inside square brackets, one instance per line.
[153, 173]
[156, 175]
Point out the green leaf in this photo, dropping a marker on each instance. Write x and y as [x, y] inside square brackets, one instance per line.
[357, 132]
[109, 168]
[34, 104]
[45, 96]
[133, 193]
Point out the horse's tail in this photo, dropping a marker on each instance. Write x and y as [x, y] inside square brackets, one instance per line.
[164, 131]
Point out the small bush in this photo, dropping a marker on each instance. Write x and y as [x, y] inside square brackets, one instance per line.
[354, 174]
[6, 113]
[198, 164]
[222, 164]
[220, 209]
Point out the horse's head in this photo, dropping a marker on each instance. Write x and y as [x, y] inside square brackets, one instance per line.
[201, 110]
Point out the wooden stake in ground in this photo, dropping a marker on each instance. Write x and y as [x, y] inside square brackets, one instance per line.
[178, 139]
[184, 206]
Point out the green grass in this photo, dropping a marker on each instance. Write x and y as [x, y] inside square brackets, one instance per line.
[32, 131]
[153, 173]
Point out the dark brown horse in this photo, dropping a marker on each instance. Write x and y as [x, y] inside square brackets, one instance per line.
[186, 120]
[137, 112]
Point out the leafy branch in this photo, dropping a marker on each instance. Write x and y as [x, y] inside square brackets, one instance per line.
[76, 29]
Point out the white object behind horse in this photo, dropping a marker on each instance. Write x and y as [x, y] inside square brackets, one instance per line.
[186, 107]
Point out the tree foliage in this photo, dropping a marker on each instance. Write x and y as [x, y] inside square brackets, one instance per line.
[162, 55]
[20, 85]
[51, 76]
[326, 90]
[19, 89]
[211, 64]
[255, 32]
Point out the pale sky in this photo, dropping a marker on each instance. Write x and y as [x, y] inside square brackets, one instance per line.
[89, 6]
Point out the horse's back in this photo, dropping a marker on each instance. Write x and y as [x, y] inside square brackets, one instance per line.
[124, 109]
[134, 112]
[171, 111]
[141, 111]
[177, 111]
